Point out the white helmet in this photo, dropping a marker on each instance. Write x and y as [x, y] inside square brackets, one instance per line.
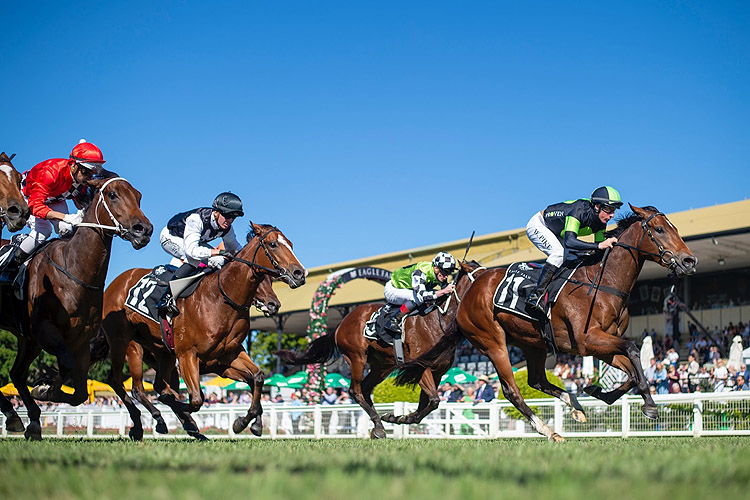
[445, 262]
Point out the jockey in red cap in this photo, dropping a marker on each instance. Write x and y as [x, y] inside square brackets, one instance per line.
[49, 184]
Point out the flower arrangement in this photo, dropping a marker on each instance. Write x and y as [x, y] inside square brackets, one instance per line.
[317, 327]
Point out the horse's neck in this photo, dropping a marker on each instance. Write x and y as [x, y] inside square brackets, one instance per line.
[87, 254]
[239, 282]
[623, 266]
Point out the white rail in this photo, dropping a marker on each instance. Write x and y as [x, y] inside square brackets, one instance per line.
[709, 414]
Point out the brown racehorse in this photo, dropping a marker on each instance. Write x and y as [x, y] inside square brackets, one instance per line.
[265, 300]
[421, 333]
[63, 307]
[647, 234]
[210, 330]
[13, 208]
[13, 213]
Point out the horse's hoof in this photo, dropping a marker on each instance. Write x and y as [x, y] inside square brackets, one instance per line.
[41, 392]
[239, 425]
[14, 424]
[593, 390]
[33, 432]
[135, 434]
[197, 435]
[377, 434]
[651, 411]
[578, 416]
[161, 427]
[556, 438]
[257, 428]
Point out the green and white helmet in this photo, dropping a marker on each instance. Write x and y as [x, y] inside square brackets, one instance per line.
[606, 195]
[445, 262]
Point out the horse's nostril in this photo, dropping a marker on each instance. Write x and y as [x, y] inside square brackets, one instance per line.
[138, 229]
[297, 273]
[14, 211]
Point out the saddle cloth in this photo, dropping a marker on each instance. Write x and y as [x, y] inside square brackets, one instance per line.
[144, 295]
[372, 332]
[520, 279]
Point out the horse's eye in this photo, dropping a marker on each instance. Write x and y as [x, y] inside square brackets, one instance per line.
[659, 229]
[272, 244]
[112, 195]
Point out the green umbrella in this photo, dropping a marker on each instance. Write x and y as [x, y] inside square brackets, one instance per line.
[278, 380]
[297, 380]
[183, 385]
[457, 376]
[237, 386]
[336, 380]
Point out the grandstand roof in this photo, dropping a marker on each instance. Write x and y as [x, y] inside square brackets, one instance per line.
[718, 235]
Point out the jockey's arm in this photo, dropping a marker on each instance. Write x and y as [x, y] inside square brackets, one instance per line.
[230, 241]
[419, 285]
[571, 241]
[192, 238]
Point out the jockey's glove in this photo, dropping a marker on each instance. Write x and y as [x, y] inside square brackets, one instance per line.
[74, 219]
[216, 261]
[226, 253]
[64, 228]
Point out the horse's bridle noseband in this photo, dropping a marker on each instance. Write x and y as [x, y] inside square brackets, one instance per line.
[671, 262]
[117, 228]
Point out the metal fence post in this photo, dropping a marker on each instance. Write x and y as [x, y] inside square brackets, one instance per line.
[697, 418]
[90, 423]
[60, 423]
[400, 431]
[494, 430]
[625, 417]
[273, 423]
[317, 422]
[231, 421]
[558, 423]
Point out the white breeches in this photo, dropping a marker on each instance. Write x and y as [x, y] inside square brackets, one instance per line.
[41, 229]
[400, 296]
[545, 240]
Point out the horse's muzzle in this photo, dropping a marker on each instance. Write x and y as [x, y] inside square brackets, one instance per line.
[139, 234]
[295, 277]
[16, 215]
[685, 264]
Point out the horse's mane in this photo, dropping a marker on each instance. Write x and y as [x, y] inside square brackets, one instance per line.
[626, 221]
[251, 233]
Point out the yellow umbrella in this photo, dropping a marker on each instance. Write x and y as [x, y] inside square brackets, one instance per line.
[147, 386]
[219, 381]
[10, 390]
[94, 386]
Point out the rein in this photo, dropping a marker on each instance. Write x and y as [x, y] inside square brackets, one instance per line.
[448, 300]
[118, 228]
[671, 263]
[278, 271]
[67, 273]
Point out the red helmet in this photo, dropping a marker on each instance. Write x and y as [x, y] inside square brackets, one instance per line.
[86, 152]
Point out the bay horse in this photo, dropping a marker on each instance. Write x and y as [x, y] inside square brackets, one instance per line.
[582, 325]
[13, 214]
[421, 333]
[209, 332]
[63, 304]
[265, 301]
[13, 208]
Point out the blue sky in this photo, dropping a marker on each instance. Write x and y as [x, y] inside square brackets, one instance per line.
[365, 128]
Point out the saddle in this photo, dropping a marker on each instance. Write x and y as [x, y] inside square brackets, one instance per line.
[520, 279]
[143, 296]
[376, 328]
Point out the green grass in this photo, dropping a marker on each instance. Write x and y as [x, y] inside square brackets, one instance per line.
[362, 469]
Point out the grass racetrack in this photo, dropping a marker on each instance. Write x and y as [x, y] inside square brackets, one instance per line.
[362, 469]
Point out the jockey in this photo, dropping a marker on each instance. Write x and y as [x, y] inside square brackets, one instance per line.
[186, 238]
[556, 229]
[412, 285]
[48, 185]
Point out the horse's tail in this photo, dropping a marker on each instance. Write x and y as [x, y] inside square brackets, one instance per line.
[320, 350]
[440, 354]
[99, 347]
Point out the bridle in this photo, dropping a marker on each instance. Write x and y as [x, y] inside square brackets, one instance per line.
[117, 228]
[276, 272]
[458, 299]
[670, 262]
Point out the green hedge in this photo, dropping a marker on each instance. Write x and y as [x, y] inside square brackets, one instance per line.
[521, 377]
[388, 392]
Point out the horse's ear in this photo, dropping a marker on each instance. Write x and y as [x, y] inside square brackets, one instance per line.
[11, 157]
[637, 210]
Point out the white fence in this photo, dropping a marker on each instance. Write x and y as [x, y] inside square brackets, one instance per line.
[709, 414]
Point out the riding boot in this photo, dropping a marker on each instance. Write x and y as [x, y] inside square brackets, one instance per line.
[394, 324]
[167, 302]
[539, 291]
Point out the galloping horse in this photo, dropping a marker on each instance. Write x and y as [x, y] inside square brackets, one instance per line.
[63, 306]
[210, 330]
[13, 213]
[421, 333]
[581, 325]
[13, 208]
[265, 300]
